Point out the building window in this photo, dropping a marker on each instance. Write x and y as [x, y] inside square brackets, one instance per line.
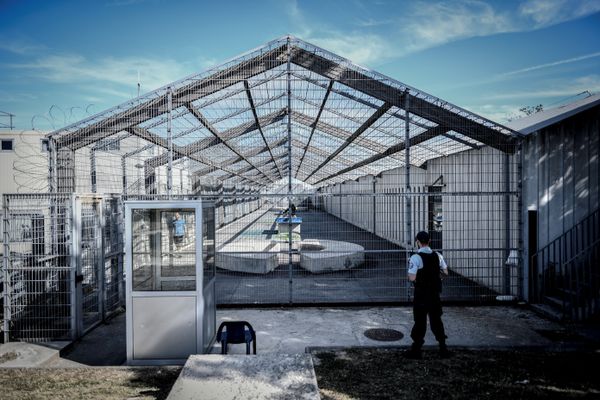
[6, 145]
[45, 145]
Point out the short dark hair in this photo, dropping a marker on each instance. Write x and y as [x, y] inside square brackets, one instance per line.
[423, 237]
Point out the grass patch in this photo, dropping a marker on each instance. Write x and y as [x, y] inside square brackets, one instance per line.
[384, 374]
[87, 383]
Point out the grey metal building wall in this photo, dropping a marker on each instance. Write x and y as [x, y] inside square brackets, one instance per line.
[561, 175]
[480, 210]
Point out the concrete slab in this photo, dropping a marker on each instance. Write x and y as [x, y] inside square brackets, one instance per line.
[269, 376]
[318, 256]
[26, 355]
[254, 256]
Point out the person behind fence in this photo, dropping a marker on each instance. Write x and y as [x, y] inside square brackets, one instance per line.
[290, 211]
[424, 271]
[178, 230]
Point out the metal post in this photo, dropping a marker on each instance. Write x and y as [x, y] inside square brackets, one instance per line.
[124, 174]
[100, 262]
[408, 210]
[170, 141]
[76, 318]
[51, 166]
[93, 169]
[181, 178]
[7, 285]
[507, 266]
[523, 263]
[289, 149]
[374, 205]
[120, 226]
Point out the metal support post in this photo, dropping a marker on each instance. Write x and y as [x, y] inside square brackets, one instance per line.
[181, 177]
[93, 169]
[7, 283]
[51, 166]
[75, 288]
[340, 186]
[374, 205]
[124, 174]
[289, 149]
[507, 265]
[170, 141]
[408, 210]
[100, 262]
[524, 254]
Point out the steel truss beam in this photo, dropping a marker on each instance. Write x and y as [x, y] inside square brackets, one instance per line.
[389, 94]
[231, 133]
[370, 121]
[252, 153]
[181, 96]
[217, 135]
[179, 150]
[420, 138]
[281, 142]
[251, 101]
[314, 125]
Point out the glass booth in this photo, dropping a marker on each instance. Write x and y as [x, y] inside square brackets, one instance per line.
[170, 280]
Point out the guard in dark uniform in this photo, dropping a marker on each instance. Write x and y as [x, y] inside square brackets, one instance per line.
[424, 272]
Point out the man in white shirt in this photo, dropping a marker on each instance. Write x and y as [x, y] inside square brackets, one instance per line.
[424, 271]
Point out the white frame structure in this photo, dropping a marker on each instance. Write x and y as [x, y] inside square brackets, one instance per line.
[196, 205]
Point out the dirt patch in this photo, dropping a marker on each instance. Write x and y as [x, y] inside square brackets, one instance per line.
[87, 383]
[11, 355]
[469, 374]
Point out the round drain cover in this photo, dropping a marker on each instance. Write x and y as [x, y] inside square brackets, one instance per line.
[384, 335]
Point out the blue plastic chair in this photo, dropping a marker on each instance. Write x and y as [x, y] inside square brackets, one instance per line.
[236, 332]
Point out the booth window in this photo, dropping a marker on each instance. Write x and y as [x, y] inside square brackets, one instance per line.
[163, 250]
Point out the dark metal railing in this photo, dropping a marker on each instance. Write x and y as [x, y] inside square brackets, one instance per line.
[566, 273]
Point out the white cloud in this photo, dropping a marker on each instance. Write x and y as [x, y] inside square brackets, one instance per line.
[73, 68]
[550, 12]
[500, 113]
[562, 88]
[370, 22]
[426, 24]
[552, 64]
[430, 24]
[17, 46]
[13, 97]
[359, 48]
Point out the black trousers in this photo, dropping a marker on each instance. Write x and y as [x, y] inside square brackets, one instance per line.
[423, 306]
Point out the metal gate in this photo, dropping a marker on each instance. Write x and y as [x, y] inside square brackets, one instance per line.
[62, 264]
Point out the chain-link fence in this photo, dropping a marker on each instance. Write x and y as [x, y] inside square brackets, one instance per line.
[321, 173]
[62, 264]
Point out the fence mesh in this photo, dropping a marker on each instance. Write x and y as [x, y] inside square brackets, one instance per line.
[59, 279]
[292, 130]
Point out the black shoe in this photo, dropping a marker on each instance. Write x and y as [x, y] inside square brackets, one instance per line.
[413, 354]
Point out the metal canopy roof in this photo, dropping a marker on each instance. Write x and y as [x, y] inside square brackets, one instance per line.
[344, 121]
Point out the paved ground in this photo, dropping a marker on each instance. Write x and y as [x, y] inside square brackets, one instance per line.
[291, 330]
[284, 334]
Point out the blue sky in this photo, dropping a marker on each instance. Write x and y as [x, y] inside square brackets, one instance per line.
[62, 60]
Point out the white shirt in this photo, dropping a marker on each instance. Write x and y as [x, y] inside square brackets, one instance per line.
[415, 262]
